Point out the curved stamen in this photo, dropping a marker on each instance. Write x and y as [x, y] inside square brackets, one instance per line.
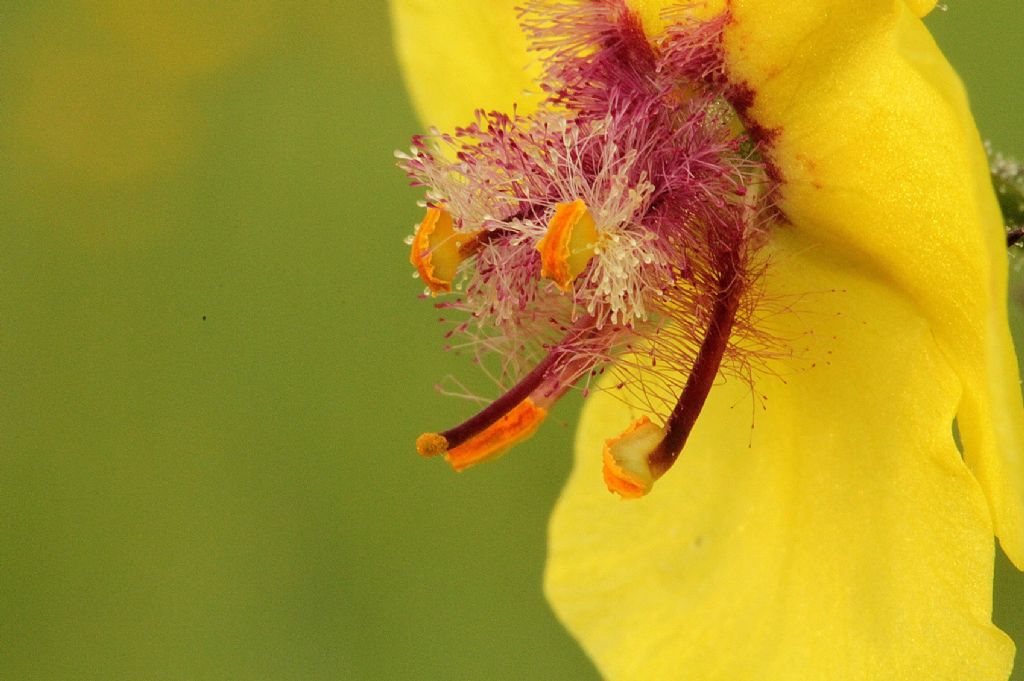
[542, 386]
[634, 460]
[705, 369]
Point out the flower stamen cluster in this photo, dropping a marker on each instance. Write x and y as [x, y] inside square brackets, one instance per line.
[620, 219]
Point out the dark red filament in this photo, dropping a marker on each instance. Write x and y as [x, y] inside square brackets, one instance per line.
[561, 364]
[705, 368]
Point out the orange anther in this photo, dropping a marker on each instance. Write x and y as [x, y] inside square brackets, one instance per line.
[437, 249]
[626, 468]
[518, 424]
[619, 481]
[569, 243]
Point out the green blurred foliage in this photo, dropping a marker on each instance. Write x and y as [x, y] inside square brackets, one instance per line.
[214, 360]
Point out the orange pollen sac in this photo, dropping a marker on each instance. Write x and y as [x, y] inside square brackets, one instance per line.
[569, 243]
[437, 249]
[517, 425]
[627, 470]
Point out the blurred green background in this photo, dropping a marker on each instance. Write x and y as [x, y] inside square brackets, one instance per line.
[215, 363]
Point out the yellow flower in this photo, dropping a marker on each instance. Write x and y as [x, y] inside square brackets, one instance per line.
[828, 528]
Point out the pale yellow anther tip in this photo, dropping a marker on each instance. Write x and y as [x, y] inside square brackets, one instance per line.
[627, 470]
[431, 444]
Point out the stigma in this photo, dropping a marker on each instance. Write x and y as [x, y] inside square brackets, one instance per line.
[614, 229]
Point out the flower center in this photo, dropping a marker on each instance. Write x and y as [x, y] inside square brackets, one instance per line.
[615, 227]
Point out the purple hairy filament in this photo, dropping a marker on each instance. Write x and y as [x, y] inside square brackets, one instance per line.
[543, 385]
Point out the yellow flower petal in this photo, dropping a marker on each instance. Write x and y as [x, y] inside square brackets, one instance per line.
[841, 537]
[461, 56]
[921, 7]
[882, 161]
